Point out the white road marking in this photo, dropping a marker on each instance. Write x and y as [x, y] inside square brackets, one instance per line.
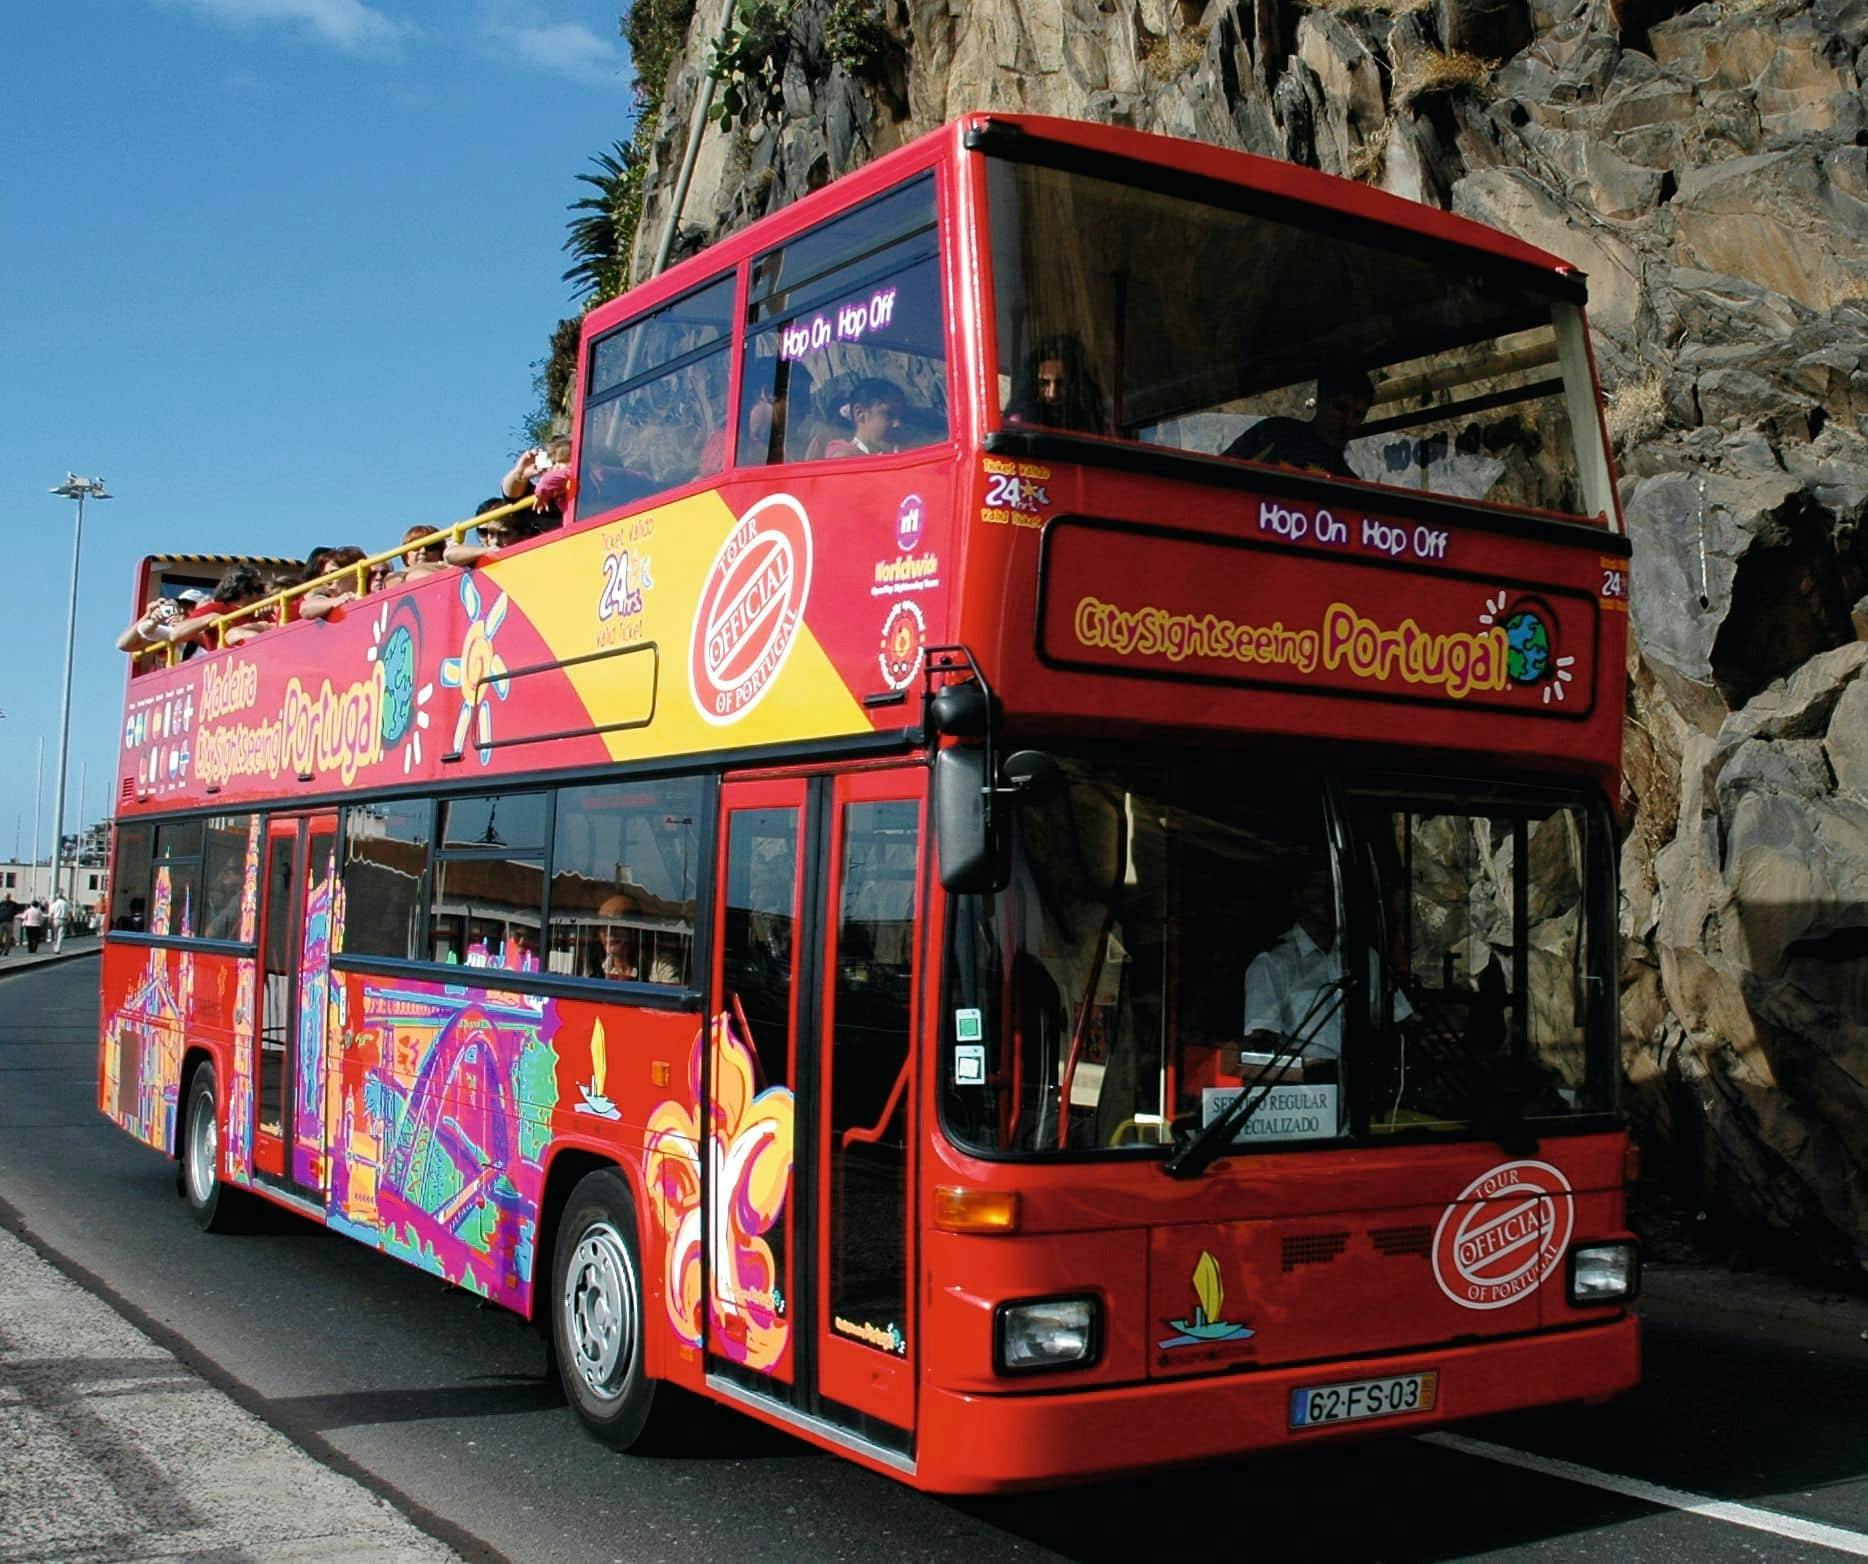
[1798, 1530]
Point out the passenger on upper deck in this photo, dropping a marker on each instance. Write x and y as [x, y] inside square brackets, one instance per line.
[240, 586]
[315, 564]
[499, 533]
[423, 561]
[142, 633]
[1316, 444]
[321, 602]
[874, 409]
[1058, 390]
[545, 472]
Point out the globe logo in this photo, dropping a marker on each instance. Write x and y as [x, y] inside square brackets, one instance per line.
[1527, 647]
[397, 660]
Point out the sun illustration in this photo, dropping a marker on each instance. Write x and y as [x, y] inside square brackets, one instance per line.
[393, 649]
[1529, 642]
[478, 673]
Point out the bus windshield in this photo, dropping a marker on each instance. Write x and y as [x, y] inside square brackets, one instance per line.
[1178, 322]
[1391, 963]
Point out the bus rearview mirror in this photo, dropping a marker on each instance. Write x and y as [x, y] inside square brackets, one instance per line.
[963, 835]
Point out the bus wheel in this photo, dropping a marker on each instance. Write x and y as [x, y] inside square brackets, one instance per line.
[214, 1207]
[596, 1316]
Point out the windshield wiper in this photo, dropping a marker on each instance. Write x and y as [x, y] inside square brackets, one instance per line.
[1204, 1149]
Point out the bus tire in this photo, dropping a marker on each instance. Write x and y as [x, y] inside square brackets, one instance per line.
[215, 1207]
[596, 1311]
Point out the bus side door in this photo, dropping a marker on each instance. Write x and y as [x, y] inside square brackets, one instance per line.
[290, 1137]
[815, 980]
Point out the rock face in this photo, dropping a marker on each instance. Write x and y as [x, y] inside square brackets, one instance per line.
[1708, 169]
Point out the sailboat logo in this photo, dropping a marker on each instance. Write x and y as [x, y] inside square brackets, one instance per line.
[592, 1090]
[1206, 1326]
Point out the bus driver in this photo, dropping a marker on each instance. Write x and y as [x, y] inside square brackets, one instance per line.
[1293, 991]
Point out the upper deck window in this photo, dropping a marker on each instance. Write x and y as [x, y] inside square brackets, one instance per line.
[1190, 321]
[846, 351]
[655, 406]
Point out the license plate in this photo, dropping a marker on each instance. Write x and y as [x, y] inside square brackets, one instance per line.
[1362, 1398]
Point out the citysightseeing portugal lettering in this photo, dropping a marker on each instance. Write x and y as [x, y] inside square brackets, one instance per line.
[1458, 662]
[1503, 1235]
[332, 732]
[1157, 632]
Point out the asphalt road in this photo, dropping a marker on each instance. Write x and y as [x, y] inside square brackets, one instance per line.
[443, 1406]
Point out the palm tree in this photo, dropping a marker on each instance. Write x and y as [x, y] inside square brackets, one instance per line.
[599, 238]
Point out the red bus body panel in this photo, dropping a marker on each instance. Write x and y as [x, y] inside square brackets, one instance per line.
[767, 617]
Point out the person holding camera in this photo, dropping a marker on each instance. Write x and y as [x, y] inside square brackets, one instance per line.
[543, 472]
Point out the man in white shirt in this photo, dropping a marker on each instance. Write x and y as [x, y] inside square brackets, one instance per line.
[60, 912]
[1286, 987]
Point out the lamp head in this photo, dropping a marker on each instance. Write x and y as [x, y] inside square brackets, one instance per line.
[75, 487]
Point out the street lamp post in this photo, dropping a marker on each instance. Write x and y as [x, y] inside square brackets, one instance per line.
[79, 489]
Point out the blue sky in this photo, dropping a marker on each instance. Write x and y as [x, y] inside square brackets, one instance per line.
[276, 270]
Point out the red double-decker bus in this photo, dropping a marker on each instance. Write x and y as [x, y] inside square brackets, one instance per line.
[1025, 888]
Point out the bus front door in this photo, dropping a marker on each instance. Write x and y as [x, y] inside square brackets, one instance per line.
[289, 1131]
[809, 1302]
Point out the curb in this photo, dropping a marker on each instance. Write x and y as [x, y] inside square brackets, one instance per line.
[33, 964]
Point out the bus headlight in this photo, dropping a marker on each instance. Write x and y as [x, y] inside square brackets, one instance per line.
[1047, 1333]
[1604, 1273]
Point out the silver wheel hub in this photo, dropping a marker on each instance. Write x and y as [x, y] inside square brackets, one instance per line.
[203, 1152]
[600, 1309]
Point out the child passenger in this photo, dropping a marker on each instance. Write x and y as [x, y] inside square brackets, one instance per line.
[874, 410]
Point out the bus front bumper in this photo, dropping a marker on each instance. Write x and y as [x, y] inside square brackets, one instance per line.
[1001, 1443]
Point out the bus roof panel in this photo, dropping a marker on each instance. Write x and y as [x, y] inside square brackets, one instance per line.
[1330, 197]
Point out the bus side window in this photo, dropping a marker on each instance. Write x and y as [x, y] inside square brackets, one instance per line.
[385, 877]
[487, 887]
[129, 880]
[655, 408]
[855, 300]
[625, 858]
[177, 909]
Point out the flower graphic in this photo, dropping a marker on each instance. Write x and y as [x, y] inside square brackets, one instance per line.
[478, 672]
[749, 1153]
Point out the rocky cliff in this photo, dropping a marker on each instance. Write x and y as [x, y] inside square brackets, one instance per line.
[1708, 169]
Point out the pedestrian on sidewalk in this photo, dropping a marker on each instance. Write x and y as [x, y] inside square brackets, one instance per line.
[9, 910]
[61, 915]
[32, 920]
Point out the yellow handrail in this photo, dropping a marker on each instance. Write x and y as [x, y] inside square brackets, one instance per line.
[359, 573]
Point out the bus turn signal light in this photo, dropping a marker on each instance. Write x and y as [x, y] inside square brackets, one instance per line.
[958, 1210]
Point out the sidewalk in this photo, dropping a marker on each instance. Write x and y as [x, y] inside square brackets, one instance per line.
[112, 1450]
[76, 945]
